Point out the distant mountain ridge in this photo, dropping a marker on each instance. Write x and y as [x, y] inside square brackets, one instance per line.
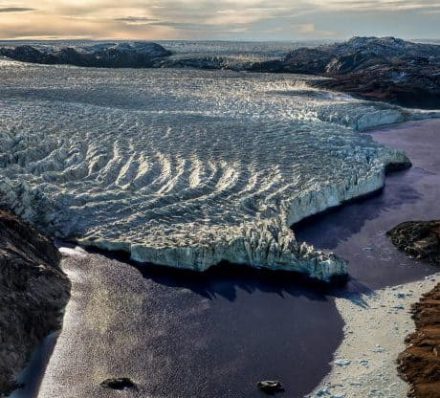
[359, 53]
[375, 68]
[110, 55]
[383, 69]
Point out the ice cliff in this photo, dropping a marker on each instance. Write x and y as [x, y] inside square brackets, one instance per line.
[185, 168]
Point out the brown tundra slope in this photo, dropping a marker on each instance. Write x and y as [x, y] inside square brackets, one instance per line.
[33, 294]
[419, 364]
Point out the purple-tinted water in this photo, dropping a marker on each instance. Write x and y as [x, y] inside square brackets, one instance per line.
[357, 231]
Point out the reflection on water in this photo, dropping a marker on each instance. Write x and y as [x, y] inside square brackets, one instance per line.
[31, 377]
[174, 337]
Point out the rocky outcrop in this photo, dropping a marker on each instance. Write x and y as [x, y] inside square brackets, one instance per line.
[419, 364]
[420, 239]
[33, 293]
[412, 86]
[108, 55]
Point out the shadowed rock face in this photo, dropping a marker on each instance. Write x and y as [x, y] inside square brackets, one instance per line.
[412, 86]
[33, 292]
[108, 55]
[420, 239]
[419, 364]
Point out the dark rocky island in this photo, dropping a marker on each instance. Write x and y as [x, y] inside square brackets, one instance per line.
[108, 55]
[33, 293]
[419, 239]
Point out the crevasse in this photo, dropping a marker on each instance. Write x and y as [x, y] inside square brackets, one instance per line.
[185, 168]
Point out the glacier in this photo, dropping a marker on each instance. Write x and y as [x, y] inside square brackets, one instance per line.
[186, 168]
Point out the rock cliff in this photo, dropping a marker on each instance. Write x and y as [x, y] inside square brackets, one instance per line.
[33, 293]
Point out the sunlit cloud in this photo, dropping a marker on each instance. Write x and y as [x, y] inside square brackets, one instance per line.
[372, 5]
[136, 20]
[213, 19]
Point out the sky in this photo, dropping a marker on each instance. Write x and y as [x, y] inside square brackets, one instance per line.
[218, 19]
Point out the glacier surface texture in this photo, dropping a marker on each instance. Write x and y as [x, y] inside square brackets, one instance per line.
[185, 168]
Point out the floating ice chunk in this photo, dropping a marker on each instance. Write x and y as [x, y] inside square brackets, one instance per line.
[342, 362]
[77, 252]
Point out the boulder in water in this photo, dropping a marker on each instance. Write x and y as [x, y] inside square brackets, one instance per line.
[270, 386]
[420, 239]
[120, 383]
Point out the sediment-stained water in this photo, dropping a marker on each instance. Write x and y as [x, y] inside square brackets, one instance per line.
[185, 168]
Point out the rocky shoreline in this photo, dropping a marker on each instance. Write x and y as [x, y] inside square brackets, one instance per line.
[376, 324]
[419, 364]
[33, 293]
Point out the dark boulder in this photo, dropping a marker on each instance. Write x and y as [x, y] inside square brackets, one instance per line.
[120, 383]
[270, 386]
[420, 239]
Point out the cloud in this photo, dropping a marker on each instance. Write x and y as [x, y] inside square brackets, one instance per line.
[16, 9]
[136, 20]
[374, 5]
[213, 19]
[306, 28]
